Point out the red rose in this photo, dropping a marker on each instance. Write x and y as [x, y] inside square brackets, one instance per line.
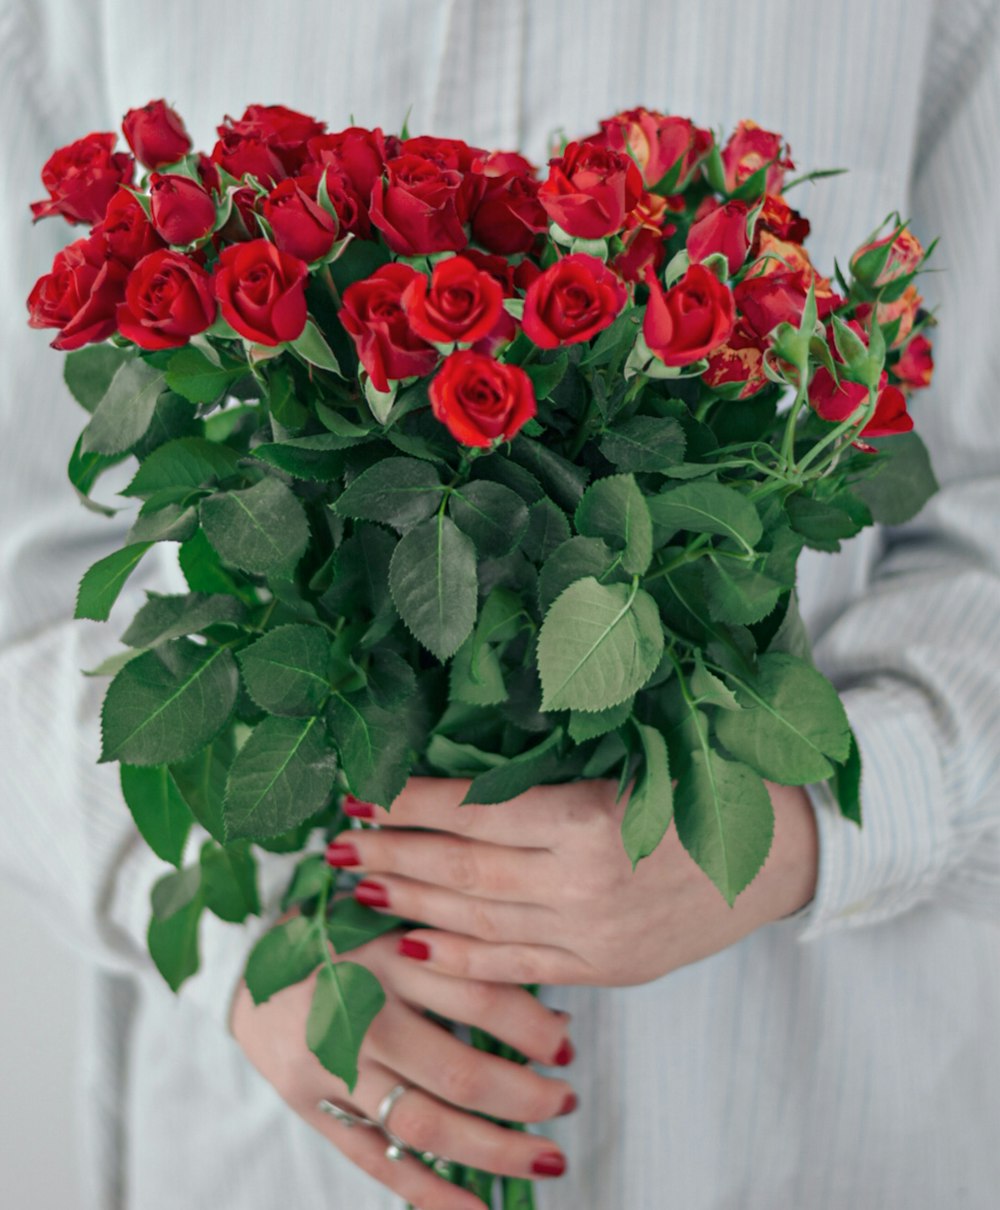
[262, 291]
[501, 334]
[284, 131]
[126, 231]
[509, 214]
[247, 155]
[357, 153]
[643, 249]
[590, 189]
[420, 208]
[739, 360]
[461, 302]
[300, 224]
[916, 364]
[168, 299]
[571, 301]
[480, 400]
[778, 217]
[691, 320]
[770, 299]
[498, 267]
[723, 229]
[180, 210]
[749, 149]
[79, 296]
[156, 134]
[657, 143]
[372, 314]
[835, 402]
[82, 178]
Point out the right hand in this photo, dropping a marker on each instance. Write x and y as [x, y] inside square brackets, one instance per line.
[452, 1081]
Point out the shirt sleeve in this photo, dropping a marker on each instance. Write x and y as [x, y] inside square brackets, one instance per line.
[67, 835]
[917, 657]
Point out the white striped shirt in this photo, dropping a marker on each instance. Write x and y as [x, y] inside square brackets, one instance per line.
[847, 1058]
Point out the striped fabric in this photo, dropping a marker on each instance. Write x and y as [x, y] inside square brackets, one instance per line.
[847, 1058]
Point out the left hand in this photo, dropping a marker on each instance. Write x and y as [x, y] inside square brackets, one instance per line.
[539, 889]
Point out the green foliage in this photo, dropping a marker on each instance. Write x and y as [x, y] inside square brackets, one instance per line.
[102, 583]
[650, 806]
[158, 807]
[346, 999]
[706, 508]
[261, 529]
[904, 482]
[286, 670]
[615, 509]
[285, 955]
[374, 748]
[125, 410]
[432, 578]
[400, 492]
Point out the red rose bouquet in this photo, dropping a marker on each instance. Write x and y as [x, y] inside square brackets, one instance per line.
[470, 474]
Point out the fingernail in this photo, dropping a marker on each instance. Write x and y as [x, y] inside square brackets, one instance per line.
[565, 1054]
[410, 948]
[371, 894]
[551, 1163]
[569, 1104]
[342, 854]
[357, 808]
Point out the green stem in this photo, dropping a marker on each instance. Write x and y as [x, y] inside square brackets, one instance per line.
[788, 441]
[857, 420]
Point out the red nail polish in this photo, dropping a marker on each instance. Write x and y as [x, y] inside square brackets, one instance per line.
[569, 1104]
[342, 854]
[371, 894]
[565, 1054]
[551, 1163]
[357, 808]
[411, 948]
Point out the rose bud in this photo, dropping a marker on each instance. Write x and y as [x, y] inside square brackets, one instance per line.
[82, 178]
[373, 316]
[418, 208]
[180, 210]
[358, 153]
[168, 299]
[916, 364]
[247, 155]
[284, 131]
[262, 291]
[884, 260]
[509, 214]
[125, 230]
[749, 149]
[658, 143]
[902, 312]
[480, 400]
[722, 230]
[643, 247]
[689, 321]
[778, 217]
[79, 296]
[770, 299]
[571, 301]
[837, 401]
[460, 303]
[590, 189]
[156, 134]
[300, 224]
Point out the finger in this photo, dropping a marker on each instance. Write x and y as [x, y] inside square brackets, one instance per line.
[488, 870]
[426, 1123]
[432, 1058]
[487, 919]
[467, 958]
[530, 820]
[509, 1013]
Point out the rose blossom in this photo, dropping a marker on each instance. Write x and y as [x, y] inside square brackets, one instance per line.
[751, 148]
[657, 142]
[262, 291]
[300, 224]
[156, 134]
[916, 364]
[373, 316]
[82, 178]
[571, 301]
[461, 302]
[836, 401]
[126, 232]
[419, 208]
[692, 319]
[590, 189]
[480, 400]
[79, 295]
[168, 299]
[724, 230]
[179, 209]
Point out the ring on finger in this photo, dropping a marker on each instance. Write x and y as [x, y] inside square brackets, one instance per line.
[396, 1148]
[345, 1116]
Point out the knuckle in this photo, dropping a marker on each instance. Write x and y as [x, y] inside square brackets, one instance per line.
[521, 964]
[417, 1127]
[483, 922]
[462, 1083]
[460, 866]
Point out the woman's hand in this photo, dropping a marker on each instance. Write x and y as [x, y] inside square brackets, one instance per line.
[452, 1081]
[539, 889]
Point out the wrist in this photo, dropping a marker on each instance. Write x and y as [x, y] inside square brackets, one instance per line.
[794, 851]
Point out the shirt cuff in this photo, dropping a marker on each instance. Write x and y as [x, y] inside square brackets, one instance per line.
[902, 849]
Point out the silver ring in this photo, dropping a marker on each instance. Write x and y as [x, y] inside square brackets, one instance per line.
[396, 1149]
[344, 1116]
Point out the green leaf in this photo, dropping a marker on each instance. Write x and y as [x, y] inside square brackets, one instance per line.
[573, 560]
[186, 462]
[285, 955]
[170, 617]
[281, 776]
[202, 781]
[724, 819]
[475, 675]
[167, 703]
[598, 645]
[391, 680]
[587, 725]
[846, 783]
[548, 529]
[125, 410]
[374, 748]
[103, 581]
[651, 804]
[173, 943]
[352, 925]
[175, 891]
[229, 881]
[169, 523]
[705, 508]
[615, 509]
[311, 346]
[83, 472]
[562, 479]
[88, 372]
[158, 808]
[792, 725]
[346, 1000]
[824, 522]
[905, 482]
[202, 568]
[546, 376]
[192, 376]
[708, 690]
[312, 876]
[400, 492]
[262, 529]
[540, 764]
[319, 457]
[455, 759]
[432, 577]
[645, 443]
[736, 592]
[493, 516]
[286, 671]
